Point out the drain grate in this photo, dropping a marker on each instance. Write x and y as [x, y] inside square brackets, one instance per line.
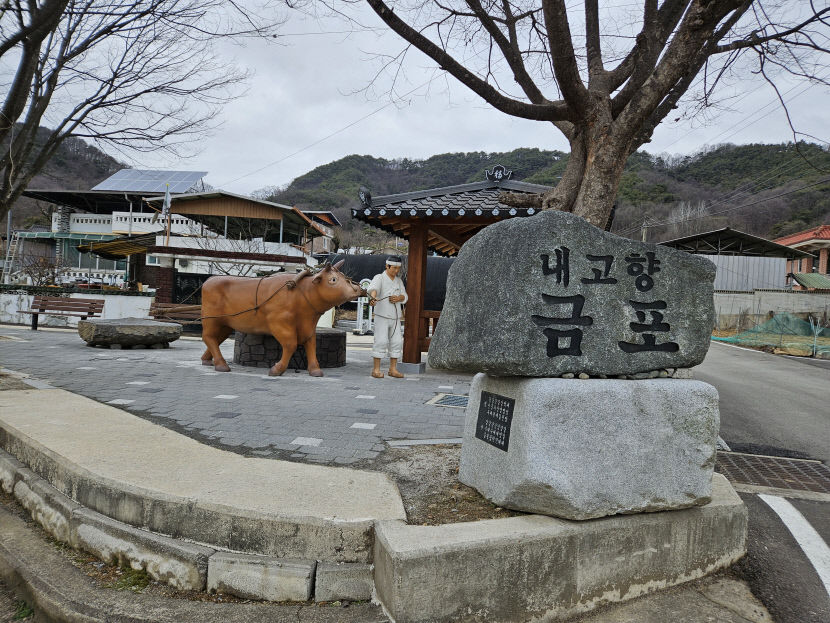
[458, 401]
[773, 471]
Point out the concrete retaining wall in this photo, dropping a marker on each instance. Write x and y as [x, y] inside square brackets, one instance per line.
[216, 524]
[495, 570]
[550, 568]
[115, 306]
[181, 564]
[743, 310]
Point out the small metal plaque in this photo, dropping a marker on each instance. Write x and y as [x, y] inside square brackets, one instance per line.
[495, 413]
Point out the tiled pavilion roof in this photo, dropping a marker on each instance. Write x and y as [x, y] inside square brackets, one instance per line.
[453, 214]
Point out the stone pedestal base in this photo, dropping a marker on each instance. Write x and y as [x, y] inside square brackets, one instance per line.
[580, 449]
[263, 351]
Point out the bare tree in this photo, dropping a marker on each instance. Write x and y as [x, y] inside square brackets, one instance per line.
[136, 75]
[42, 270]
[609, 82]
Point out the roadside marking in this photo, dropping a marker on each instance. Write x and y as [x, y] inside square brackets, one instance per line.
[752, 350]
[811, 543]
[120, 401]
[226, 397]
[364, 425]
[365, 397]
[790, 494]
[722, 445]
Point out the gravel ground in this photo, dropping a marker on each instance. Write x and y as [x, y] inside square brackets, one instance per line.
[10, 608]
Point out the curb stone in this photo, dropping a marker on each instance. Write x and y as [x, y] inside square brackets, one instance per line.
[60, 593]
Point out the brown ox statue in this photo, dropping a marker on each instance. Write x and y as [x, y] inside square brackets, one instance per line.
[285, 306]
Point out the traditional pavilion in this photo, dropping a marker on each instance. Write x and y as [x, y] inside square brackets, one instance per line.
[439, 220]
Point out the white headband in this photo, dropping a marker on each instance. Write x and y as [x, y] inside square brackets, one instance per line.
[392, 263]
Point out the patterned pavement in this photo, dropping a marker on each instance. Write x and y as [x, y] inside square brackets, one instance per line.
[344, 418]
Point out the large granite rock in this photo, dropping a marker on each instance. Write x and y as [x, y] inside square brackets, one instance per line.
[128, 332]
[551, 294]
[583, 449]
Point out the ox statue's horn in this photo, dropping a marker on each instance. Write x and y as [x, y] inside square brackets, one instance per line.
[339, 264]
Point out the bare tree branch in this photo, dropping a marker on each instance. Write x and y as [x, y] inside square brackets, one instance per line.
[134, 75]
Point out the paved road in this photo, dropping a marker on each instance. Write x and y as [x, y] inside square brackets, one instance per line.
[779, 406]
[344, 418]
[771, 403]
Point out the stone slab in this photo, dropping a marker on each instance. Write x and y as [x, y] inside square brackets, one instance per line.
[260, 577]
[128, 332]
[289, 510]
[181, 565]
[343, 581]
[548, 569]
[581, 449]
[551, 294]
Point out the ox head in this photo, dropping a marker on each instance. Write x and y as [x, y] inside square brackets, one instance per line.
[334, 287]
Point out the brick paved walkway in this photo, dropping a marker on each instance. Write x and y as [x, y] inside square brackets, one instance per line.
[346, 417]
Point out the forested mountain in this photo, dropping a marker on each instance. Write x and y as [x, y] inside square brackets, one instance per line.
[76, 165]
[767, 190]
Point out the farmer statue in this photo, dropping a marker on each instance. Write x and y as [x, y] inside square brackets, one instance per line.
[387, 294]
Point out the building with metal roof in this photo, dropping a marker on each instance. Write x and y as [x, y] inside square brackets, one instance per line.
[151, 181]
[812, 281]
[815, 240]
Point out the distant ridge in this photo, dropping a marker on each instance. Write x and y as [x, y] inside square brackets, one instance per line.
[665, 192]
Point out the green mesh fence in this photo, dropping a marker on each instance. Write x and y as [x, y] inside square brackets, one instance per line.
[786, 333]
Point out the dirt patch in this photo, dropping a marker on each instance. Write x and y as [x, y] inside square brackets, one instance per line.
[9, 382]
[427, 477]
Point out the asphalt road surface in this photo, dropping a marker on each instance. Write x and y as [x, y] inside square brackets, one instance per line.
[771, 404]
[779, 406]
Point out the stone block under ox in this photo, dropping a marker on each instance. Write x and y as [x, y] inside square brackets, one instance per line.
[128, 332]
[551, 294]
[263, 351]
[580, 449]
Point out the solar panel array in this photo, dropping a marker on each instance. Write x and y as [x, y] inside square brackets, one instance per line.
[151, 181]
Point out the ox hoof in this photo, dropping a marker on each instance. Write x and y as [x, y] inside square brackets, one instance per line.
[317, 372]
[275, 372]
[222, 367]
[207, 362]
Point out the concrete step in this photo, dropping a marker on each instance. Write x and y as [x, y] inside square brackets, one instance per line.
[175, 486]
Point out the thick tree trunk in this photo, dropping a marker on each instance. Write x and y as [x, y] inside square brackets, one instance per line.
[589, 185]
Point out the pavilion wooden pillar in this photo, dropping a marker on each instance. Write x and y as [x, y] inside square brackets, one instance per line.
[415, 287]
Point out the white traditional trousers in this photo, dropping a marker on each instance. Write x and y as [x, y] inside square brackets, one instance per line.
[388, 338]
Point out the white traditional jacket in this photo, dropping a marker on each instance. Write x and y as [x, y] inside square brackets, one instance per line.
[385, 288]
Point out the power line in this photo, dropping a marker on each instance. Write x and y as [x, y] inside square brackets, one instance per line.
[732, 209]
[325, 138]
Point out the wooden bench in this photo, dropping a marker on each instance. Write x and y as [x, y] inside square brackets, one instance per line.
[176, 312]
[60, 306]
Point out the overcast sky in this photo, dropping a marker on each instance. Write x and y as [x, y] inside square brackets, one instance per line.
[305, 97]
